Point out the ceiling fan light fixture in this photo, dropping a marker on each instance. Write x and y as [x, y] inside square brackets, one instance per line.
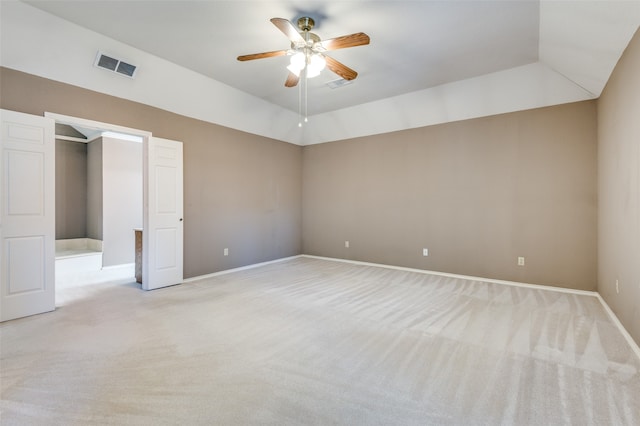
[312, 72]
[318, 62]
[294, 70]
[298, 60]
[307, 52]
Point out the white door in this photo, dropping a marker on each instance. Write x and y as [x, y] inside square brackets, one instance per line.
[163, 224]
[27, 227]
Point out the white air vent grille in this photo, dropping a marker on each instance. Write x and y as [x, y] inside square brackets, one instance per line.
[110, 63]
[339, 83]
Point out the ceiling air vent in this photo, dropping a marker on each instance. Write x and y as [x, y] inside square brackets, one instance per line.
[339, 83]
[116, 65]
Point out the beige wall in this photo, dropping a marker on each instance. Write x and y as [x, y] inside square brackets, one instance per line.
[477, 194]
[71, 189]
[241, 191]
[619, 190]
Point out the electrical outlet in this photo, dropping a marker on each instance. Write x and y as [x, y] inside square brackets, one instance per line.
[520, 261]
[617, 288]
[226, 252]
[346, 244]
[425, 252]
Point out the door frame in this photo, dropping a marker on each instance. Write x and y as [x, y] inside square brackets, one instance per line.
[92, 124]
[97, 125]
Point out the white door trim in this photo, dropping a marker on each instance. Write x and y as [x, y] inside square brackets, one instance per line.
[97, 125]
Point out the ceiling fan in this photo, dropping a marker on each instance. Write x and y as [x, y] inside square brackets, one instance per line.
[308, 51]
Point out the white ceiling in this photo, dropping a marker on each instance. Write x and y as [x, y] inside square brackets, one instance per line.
[428, 61]
[414, 45]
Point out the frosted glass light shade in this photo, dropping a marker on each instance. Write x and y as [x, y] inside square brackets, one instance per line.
[298, 61]
[316, 64]
[294, 70]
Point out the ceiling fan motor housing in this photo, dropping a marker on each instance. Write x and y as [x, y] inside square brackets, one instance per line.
[305, 23]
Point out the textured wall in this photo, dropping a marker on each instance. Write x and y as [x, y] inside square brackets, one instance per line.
[476, 193]
[619, 190]
[241, 191]
[71, 189]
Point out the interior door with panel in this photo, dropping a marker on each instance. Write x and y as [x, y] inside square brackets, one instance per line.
[162, 263]
[27, 204]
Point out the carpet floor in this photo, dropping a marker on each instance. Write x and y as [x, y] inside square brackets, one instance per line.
[316, 342]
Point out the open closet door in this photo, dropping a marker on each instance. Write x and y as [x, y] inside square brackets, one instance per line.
[27, 204]
[163, 225]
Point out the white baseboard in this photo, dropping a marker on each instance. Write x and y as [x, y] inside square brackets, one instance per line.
[400, 268]
[241, 268]
[616, 321]
[464, 277]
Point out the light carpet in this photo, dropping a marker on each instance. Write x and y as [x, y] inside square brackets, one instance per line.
[317, 342]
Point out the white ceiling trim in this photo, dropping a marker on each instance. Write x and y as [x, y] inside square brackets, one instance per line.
[516, 89]
[580, 43]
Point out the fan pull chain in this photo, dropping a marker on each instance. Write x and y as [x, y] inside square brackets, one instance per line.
[306, 84]
[299, 105]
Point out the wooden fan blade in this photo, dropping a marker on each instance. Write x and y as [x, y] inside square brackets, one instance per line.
[288, 29]
[352, 40]
[292, 80]
[262, 55]
[341, 69]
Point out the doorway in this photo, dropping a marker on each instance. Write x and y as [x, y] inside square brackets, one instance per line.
[161, 259]
[99, 203]
[27, 145]
[99, 198]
